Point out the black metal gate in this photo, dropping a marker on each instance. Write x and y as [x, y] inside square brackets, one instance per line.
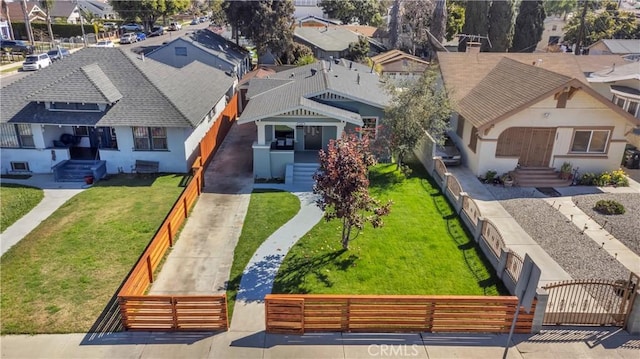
[590, 302]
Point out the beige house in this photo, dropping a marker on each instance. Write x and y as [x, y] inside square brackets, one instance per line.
[399, 64]
[615, 47]
[551, 35]
[531, 110]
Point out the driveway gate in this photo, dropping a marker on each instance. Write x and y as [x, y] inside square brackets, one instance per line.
[590, 302]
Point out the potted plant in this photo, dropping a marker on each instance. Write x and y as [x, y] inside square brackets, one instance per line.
[507, 180]
[565, 170]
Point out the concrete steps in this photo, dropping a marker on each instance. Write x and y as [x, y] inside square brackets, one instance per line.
[538, 177]
[302, 174]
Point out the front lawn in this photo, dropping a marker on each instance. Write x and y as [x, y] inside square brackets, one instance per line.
[16, 201]
[422, 248]
[268, 210]
[59, 278]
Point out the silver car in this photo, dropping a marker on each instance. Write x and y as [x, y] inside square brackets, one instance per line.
[449, 152]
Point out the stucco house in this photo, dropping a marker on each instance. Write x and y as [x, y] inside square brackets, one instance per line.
[399, 64]
[298, 111]
[114, 107]
[531, 111]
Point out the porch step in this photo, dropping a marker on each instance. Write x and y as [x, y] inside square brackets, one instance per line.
[302, 174]
[539, 177]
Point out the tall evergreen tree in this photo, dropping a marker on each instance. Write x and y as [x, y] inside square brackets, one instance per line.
[500, 25]
[395, 24]
[476, 21]
[439, 20]
[529, 26]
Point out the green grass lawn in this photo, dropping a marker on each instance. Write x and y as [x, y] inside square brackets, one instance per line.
[16, 201]
[268, 210]
[59, 278]
[422, 248]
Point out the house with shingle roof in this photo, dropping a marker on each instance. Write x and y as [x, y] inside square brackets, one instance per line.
[112, 105]
[615, 47]
[399, 64]
[331, 41]
[531, 110]
[298, 111]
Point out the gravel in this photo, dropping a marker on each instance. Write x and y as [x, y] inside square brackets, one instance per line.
[576, 253]
[625, 227]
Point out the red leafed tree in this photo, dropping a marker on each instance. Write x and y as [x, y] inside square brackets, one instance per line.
[343, 185]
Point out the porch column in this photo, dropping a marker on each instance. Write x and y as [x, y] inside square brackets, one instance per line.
[339, 129]
[261, 133]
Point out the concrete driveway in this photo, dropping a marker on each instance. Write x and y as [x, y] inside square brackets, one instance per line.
[201, 258]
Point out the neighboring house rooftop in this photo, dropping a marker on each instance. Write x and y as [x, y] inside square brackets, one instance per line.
[366, 30]
[259, 73]
[487, 87]
[293, 89]
[630, 71]
[396, 60]
[219, 46]
[142, 93]
[327, 38]
[620, 46]
[14, 9]
[62, 9]
[312, 20]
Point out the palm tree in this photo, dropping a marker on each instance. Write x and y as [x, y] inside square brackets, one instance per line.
[47, 5]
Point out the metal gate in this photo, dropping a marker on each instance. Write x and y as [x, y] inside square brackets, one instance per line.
[590, 302]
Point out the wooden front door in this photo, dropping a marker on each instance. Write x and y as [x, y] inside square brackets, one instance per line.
[532, 145]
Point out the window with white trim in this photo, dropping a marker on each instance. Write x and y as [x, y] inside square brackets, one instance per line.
[590, 141]
[16, 136]
[630, 105]
[150, 138]
[370, 127]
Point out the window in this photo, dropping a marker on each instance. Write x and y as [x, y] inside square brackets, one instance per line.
[619, 101]
[554, 27]
[150, 138]
[460, 127]
[590, 141]
[473, 141]
[370, 127]
[20, 166]
[16, 136]
[632, 108]
[181, 51]
[84, 107]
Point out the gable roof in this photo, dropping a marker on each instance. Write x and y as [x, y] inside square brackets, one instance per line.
[218, 45]
[483, 86]
[614, 73]
[149, 94]
[87, 84]
[33, 9]
[398, 60]
[62, 8]
[326, 38]
[620, 46]
[298, 87]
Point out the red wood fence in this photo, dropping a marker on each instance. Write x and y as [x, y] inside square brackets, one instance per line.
[297, 314]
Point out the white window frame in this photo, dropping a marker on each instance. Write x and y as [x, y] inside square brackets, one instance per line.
[588, 150]
[13, 130]
[149, 138]
[24, 164]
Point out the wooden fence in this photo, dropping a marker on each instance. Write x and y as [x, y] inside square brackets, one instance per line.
[160, 312]
[297, 314]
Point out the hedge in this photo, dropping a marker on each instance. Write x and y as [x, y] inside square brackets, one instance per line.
[59, 30]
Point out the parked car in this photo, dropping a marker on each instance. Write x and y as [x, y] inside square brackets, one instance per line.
[175, 26]
[57, 54]
[449, 152]
[13, 46]
[110, 26]
[36, 62]
[203, 19]
[129, 38]
[132, 27]
[156, 31]
[141, 36]
[194, 22]
[105, 43]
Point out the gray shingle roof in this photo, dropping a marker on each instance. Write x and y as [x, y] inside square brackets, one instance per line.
[283, 91]
[622, 46]
[327, 39]
[87, 84]
[151, 96]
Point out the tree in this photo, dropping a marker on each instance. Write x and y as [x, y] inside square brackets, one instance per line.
[267, 23]
[395, 24]
[218, 16]
[359, 50]
[149, 11]
[560, 7]
[27, 23]
[47, 5]
[501, 25]
[455, 19]
[611, 24]
[417, 106]
[529, 26]
[476, 21]
[343, 186]
[365, 12]
[416, 20]
[439, 21]
[298, 54]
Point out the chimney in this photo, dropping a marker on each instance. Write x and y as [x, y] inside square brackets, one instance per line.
[473, 47]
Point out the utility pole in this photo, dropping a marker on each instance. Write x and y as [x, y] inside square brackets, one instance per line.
[84, 37]
[578, 49]
[27, 23]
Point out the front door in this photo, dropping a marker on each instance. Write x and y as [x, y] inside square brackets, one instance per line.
[313, 138]
[533, 146]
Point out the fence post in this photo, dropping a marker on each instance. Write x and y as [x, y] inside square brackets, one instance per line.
[459, 201]
[150, 269]
[477, 232]
[170, 234]
[541, 306]
[502, 263]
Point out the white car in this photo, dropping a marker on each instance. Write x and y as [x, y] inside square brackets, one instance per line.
[128, 38]
[175, 26]
[36, 62]
[105, 43]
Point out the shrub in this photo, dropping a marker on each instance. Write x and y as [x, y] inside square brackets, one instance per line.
[609, 207]
[619, 178]
[615, 178]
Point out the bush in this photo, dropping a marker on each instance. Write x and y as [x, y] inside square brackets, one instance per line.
[587, 179]
[615, 178]
[609, 207]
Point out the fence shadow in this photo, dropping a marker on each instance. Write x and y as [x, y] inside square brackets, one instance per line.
[134, 337]
[609, 337]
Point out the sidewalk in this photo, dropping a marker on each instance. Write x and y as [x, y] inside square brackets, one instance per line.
[55, 195]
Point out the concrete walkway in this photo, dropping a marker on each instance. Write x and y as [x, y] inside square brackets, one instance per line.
[258, 276]
[55, 195]
[514, 236]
